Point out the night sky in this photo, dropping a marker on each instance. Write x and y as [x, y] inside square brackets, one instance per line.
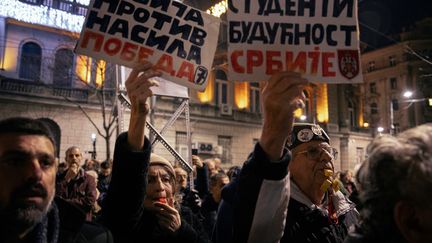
[389, 17]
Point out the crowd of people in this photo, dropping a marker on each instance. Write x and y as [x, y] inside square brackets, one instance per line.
[286, 191]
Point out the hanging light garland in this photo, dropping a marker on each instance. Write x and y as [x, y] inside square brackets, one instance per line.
[42, 15]
[218, 9]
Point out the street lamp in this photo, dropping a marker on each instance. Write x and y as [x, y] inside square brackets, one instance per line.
[93, 138]
[380, 130]
[407, 94]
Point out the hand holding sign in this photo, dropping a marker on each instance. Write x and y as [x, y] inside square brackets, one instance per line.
[282, 94]
[316, 38]
[138, 87]
[178, 39]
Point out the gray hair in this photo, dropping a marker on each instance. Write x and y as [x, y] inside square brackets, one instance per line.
[397, 169]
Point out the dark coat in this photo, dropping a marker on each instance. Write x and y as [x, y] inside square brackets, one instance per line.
[80, 191]
[65, 223]
[75, 229]
[123, 212]
[209, 210]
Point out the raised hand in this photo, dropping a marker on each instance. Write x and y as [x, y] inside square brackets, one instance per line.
[138, 86]
[282, 94]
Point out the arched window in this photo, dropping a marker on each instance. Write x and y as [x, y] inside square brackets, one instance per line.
[31, 56]
[63, 68]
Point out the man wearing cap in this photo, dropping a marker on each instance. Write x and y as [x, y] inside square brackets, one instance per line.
[272, 205]
[317, 211]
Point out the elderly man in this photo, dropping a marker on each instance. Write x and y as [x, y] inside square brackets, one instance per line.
[395, 183]
[316, 213]
[28, 211]
[75, 186]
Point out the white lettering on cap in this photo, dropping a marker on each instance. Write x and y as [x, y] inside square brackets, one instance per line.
[316, 130]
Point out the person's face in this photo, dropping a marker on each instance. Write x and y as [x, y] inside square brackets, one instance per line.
[309, 162]
[159, 185]
[211, 167]
[181, 177]
[106, 172]
[90, 165]
[27, 179]
[74, 156]
[349, 176]
[216, 190]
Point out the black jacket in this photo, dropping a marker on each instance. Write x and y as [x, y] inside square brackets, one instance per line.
[124, 213]
[74, 228]
[65, 223]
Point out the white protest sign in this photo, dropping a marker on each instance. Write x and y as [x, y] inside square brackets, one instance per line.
[165, 88]
[179, 40]
[318, 38]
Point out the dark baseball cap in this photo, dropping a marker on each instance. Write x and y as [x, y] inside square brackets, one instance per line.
[306, 132]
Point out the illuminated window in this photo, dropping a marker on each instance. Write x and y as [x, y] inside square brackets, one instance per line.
[100, 72]
[63, 68]
[241, 91]
[31, 56]
[254, 97]
[83, 68]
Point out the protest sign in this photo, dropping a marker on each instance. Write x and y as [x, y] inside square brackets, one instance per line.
[318, 38]
[165, 88]
[178, 39]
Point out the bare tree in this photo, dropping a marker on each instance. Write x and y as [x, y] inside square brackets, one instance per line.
[98, 78]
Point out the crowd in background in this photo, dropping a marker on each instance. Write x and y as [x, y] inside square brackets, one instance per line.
[286, 191]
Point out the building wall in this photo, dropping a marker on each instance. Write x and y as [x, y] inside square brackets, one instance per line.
[410, 73]
[327, 105]
[76, 129]
[49, 41]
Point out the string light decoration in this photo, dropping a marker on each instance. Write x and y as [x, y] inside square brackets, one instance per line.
[218, 9]
[42, 15]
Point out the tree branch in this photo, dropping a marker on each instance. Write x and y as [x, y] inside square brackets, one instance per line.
[86, 114]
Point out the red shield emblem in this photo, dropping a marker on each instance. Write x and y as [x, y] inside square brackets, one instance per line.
[348, 63]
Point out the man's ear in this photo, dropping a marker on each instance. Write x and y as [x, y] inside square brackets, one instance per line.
[407, 221]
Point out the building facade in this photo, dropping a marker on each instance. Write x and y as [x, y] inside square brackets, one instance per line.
[41, 77]
[391, 71]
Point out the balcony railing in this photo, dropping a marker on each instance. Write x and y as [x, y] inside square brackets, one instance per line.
[39, 89]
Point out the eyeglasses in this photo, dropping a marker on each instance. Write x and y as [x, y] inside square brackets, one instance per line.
[314, 152]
